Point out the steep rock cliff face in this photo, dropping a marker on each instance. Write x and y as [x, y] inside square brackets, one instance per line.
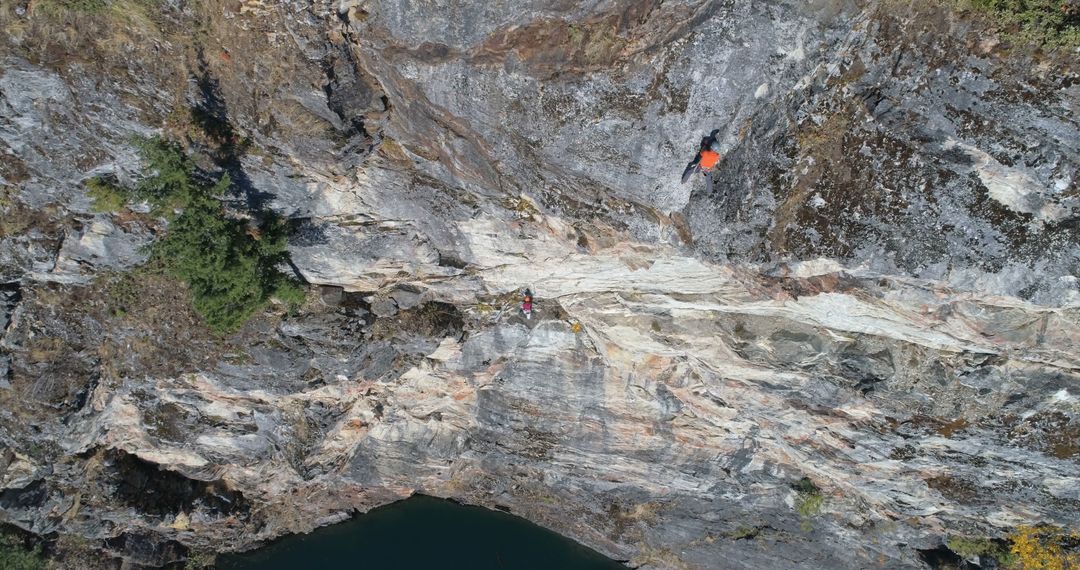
[878, 291]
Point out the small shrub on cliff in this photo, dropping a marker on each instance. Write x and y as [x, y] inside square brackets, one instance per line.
[809, 501]
[744, 533]
[85, 6]
[974, 548]
[200, 560]
[231, 274]
[91, 7]
[170, 177]
[1042, 22]
[106, 194]
[1026, 548]
[230, 265]
[15, 555]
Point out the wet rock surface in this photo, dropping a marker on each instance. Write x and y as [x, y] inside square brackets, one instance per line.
[877, 291]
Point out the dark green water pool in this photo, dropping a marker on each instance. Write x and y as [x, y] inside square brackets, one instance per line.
[425, 533]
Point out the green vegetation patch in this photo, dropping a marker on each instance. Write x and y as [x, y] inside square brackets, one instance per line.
[809, 501]
[809, 505]
[744, 533]
[1050, 23]
[200, 560]
[58, 7]
[86, 6]
[16, 555]
[229, 264]
[975, 548]
[1042, 547]
[106, 194]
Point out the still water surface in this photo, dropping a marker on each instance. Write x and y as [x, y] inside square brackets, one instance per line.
[425, 533]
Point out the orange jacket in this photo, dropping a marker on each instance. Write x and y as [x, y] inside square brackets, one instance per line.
[708, 160]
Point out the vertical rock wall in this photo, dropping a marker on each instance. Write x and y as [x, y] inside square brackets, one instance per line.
[877, 291]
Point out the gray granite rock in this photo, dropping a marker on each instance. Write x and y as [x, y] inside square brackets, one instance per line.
[877, 290]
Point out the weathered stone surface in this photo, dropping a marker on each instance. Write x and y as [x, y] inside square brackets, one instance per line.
[99, 245]
[878, 291]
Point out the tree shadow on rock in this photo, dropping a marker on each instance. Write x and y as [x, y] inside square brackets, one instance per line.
[211, 115]
[304, 232]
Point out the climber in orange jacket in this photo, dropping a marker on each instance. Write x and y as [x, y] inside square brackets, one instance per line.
[707, 157]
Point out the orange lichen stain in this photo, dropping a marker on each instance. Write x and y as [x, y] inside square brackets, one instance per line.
[1041, 547]
[655, 361]
[686, 439]
[950, 428]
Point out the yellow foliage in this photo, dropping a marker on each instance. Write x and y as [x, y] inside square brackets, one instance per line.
[575, 328]
[1040, 548]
